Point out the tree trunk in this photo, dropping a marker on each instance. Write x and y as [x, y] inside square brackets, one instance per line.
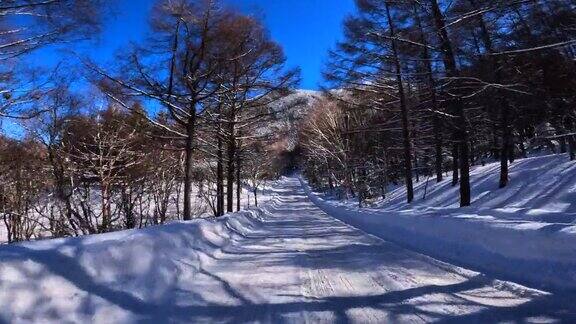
[59, 187]
[472, 152]
[385, 177]
[505, 153]
[571, 140]
[465, 194]
[407, 143]
[230, 175]
[106, 210]
[220, 178]
[188, 171]
[128, 205]
[455, 164]
[495, 145]
[563, 147]
[348, 180]
[437, 123]
[460, 131]
[572, 147]
[416, 168]
[438, 148]
[238, 181]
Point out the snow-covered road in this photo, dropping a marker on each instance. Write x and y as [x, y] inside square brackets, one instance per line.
[289, 262]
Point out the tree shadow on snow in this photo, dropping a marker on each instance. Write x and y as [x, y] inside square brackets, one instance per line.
[395, 303]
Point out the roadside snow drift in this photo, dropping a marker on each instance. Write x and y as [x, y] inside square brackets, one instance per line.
[525, 232]
[117, 277]
[286, 262]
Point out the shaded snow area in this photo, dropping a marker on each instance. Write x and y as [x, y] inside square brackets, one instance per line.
[285, 262]
[525, 232]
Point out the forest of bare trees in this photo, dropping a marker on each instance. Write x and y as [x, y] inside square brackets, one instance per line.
[170, 132]
[431, 88]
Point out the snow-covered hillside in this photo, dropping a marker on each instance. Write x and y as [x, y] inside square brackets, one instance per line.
[541, 189]
[287, 114]
[525, 232]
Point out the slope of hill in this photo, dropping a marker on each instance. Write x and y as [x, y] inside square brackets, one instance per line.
[542, 189]
[525, 232]
[287, 114]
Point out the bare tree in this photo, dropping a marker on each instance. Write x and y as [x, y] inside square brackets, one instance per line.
[189, 50]
[26, 26]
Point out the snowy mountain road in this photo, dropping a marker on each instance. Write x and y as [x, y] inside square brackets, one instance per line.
[285, 262]
[303, 265]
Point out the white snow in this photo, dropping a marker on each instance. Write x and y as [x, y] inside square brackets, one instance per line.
[285, 262]
[525, 232]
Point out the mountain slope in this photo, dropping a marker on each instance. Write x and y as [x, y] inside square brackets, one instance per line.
[524, 232]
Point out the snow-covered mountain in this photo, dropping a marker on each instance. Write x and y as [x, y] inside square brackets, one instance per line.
[287, 113]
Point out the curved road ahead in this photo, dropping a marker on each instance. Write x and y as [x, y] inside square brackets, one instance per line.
[302, 265]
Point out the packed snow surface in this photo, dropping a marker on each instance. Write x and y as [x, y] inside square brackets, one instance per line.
[286, 262]
[525, 232]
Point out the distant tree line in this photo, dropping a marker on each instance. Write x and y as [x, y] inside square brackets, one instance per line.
[427, 87]
[174, 131]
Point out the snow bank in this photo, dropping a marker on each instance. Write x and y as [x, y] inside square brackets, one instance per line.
[525, 232]
[86, 279]
[201, 208]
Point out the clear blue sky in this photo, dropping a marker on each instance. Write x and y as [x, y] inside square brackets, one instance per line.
[305, 28]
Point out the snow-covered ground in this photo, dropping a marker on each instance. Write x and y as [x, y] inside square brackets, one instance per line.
[285, 262]
[525, 232]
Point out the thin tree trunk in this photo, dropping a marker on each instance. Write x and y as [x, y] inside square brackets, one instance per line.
[563, 147]
[472, 152]
[506, 139]
[571, 140]
[460, 132]
[505, 148]
[188, 170]
[348, 180]
[407, 143]
[385, 177]
[238, 181]
[572, 147]
[495, 145]
[438, 148]
[465, 195]
[230, 175]
[455, 164]
[220, 177]
[106, 209]
[436, 122]
[416, 168]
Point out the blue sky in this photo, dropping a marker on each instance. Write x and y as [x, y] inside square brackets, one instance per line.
[306, 29]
